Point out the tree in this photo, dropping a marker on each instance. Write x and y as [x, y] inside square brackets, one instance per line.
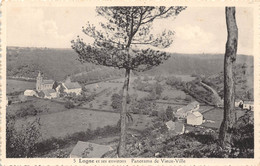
[116, 45]
[229, 86]
[116, 102]
[21, 143]
[169, 113]
[158, 89]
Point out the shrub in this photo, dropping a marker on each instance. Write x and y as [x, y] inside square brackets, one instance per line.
[188, 98]
[28, 110]
[158, 89]
[69, 105]
[154, 113]
[105, 102]
[90, 105]
[165, 98]
[169, 113]
[116, 102]
[162, 115]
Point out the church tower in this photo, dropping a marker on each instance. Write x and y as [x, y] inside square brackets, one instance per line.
[39, 82]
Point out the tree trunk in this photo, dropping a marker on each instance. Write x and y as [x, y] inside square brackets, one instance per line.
[229, 86]
[122, 143]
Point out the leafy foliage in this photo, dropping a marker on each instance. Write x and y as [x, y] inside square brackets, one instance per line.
[126, 26]
[22, 142]
[69, 105]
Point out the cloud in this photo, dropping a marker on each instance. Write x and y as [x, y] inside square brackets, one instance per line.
[49, 30]
[32, 28]
[192, 39]
[196, 30]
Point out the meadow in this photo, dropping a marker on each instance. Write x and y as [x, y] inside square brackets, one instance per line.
[18, 85]
[216, 116]
[61, 124]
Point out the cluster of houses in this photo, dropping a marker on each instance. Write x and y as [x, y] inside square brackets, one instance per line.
[50, 89]
[188, 114]
[245, 105]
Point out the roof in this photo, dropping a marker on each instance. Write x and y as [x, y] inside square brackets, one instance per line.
[48, 91]
[71, 85]
[29, 91]
[188, 107]
[175, 126]
[47, 81]
[170, 125]
[184, 109]
[91, 150]
[193, 104]
[249, 102]
[196, 113]
[179, 127]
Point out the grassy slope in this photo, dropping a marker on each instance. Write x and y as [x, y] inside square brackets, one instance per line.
[54, 63]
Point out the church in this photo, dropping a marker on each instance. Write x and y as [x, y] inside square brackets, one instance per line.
[42, 84]
[45, 87]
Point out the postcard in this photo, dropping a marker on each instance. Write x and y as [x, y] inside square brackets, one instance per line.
[125, 83]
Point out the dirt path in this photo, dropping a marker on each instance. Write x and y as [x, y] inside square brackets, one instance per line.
[215, 93]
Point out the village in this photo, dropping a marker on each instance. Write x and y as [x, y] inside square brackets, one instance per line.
[185, 118]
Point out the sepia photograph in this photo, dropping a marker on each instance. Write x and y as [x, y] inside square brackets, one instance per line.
[129, 82]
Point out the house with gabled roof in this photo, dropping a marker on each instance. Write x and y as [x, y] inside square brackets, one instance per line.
[239, 103]
[248, 105]
[89, 150]
[50, 94]
[195, 118]
[72, 87]
[175, 127]
[184, 111]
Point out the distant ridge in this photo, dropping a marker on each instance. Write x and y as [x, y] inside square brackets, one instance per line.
[206, 64]
[57, 63]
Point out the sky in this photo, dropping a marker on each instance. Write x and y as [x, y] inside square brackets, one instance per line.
[197, 29]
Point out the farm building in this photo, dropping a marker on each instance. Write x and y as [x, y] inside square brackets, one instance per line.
[248, 105]
[184, 111]
[43, 84]
[50, 94]
[29, 93]
[238, 103]
[72, 87]
[194, 105]
[89, 150]
[175, 127]
[195, 118]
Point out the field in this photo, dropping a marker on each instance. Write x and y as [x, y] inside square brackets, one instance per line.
[46, 106]
[110, 87]
[17, 85]
[75, 120]
[216, 116]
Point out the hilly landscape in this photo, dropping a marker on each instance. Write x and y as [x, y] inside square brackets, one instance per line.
[202, 64]
[94, 114]
[57, 64]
